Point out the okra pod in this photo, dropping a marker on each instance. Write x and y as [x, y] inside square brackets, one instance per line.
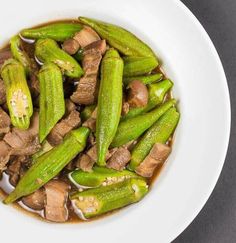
[146, 79]
[132, 128]
[138, 65]
[19, 54]
[96, 201]
[19, 100]
[100, 176]
[119, 38]
[56, 31]
[50, 164]
[87, 112]
[109, 102]
[47, 50]
[157, 92]
[51, 102]
[45, 147]
[158, 133]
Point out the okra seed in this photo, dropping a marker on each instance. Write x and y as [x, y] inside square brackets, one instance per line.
[104, 183]
[81, 198]
[80, 189]
[90, 199]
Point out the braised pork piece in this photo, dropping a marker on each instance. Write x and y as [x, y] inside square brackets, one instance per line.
[86, 119]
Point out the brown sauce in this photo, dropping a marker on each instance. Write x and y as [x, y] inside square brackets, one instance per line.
[6, 187]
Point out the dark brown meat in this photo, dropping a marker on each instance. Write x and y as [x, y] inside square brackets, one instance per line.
[85, 163]
[91, 122]
[119, 159]
[99, 45]
[137, 94]
[2, 92]
[4, 55]
[18, 138]
[15, 170]
[35, 200]
[5, 122]
[86, 91]
[56, 199]
[71, 46]
[5, 152]
[158, 154]
[86, 36]
[63, 127]
[70, 106]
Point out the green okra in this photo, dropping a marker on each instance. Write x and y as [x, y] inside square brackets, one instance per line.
[146, 79]
[45, 147]
[19, 54]
[132, 128]
[119, 38]
[56, 31]
[158, 133]
[100, 176]
[19, 100]
[51, 102]
[134, 66]
[50, 164]
[96, 201]
[87, 112]
[47, 50]
[109, 102]
[157, 92]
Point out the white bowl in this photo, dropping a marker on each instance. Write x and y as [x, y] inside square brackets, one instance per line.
[191, 172]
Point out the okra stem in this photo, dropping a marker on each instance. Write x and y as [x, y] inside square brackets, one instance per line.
[146, 79]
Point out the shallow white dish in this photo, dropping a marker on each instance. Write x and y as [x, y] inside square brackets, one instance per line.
[191, 61]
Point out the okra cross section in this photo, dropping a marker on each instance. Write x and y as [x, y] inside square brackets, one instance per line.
[19, 100]
[96, 201]
[100, 176]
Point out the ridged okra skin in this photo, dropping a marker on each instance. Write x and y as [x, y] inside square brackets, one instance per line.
[100, 176]
[109, 102]
[131, 129]
[19, 100]
[145, 79]
[48, 165]
[47, 50]
[87, 112]
[119, 38]
[55, 31]
[158, 133]
[156, 95]
[19, 54]
[138, 65]
[51, 102]
[97, 201]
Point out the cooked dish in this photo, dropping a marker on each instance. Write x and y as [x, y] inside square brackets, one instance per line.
[86, 119]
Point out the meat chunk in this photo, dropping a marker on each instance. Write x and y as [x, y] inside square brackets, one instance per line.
[56, 199]
[15, 170]
[85, 163]
[99, 45]
[18, 138]
[119, 159]
[137, 94]
[5, 122]
[91, 122]
[2, 92]
[71, 46]
[86, 91]
[72, 121]
[35, 200]
[158, 154]
[125, 108]
[70, 106]
[4, 55]
[86, 36]
[5, 152]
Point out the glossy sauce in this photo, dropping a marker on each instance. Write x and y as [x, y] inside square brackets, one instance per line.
[6, 187]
